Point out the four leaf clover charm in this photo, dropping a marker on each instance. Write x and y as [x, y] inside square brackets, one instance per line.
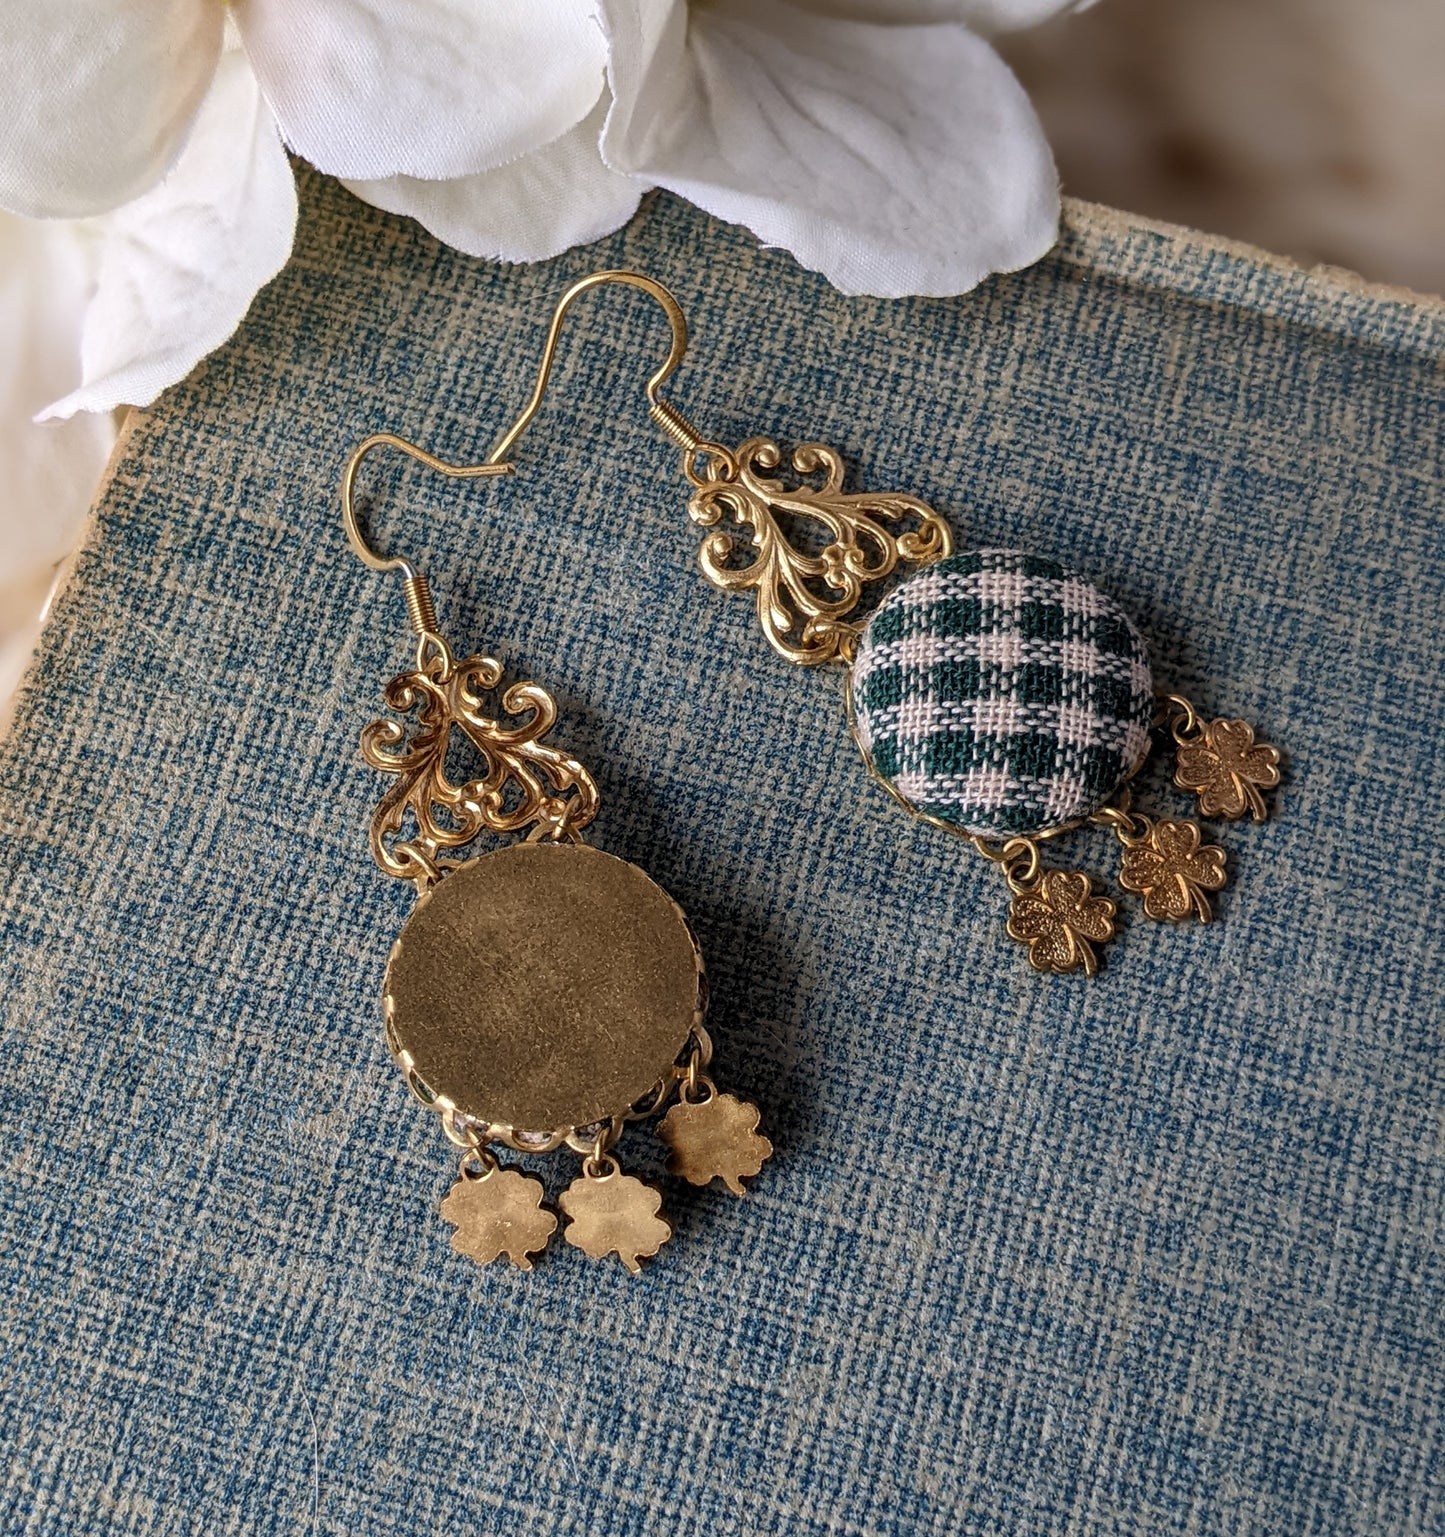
[1226, 768]
[614, 1213]
[497, 1211]
[1171, 869]
[1061, 921]
[715, 1137]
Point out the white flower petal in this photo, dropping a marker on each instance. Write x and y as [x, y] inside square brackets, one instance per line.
[535, 208]
[985, 16]
[894, 160]
[180, 265]
[99, 95]
[48, 473]
[432, 88]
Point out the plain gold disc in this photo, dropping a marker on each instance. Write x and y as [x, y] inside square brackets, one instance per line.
[543, 986]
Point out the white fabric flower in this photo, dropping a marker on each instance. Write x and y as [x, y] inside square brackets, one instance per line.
[893, 158]
[148, 115]
[884, 145]
[47, 474]
[180, 264]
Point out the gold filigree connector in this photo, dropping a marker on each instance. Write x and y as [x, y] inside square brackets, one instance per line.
[803, 600]
[525, 783]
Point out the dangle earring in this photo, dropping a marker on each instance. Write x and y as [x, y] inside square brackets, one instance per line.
[995, 695]
[542, 993]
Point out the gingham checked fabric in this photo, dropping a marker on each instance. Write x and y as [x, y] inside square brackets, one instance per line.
[1002, 693]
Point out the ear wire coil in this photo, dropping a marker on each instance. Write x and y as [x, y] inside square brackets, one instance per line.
[420, 610]
[670, 421]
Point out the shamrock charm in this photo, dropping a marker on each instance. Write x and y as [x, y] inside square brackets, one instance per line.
[498, 1211]
[714, 1138]
[1060, 921]
[613, 1213]
[1170, 868]
[1226, 768]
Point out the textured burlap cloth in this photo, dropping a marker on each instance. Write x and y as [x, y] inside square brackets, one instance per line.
[1156, 1252]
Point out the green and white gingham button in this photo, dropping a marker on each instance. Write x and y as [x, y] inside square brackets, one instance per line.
[1002, 693]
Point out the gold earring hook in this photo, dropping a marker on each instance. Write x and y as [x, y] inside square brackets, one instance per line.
[419, 606]
[363, 550]
[420, 609]
[667, 417]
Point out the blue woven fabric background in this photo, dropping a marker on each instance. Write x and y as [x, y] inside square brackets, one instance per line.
[1154, 1253]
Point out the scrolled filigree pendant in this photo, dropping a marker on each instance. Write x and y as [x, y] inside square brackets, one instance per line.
[542, 994]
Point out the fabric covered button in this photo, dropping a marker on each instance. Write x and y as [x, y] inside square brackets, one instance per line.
[1002, 693]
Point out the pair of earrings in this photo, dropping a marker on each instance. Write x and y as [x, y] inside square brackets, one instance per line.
[546, 993]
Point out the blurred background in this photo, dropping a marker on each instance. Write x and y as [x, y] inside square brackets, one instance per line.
[1313, 128]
